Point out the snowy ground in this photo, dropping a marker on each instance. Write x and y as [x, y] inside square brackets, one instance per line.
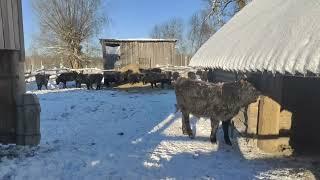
[122, 135]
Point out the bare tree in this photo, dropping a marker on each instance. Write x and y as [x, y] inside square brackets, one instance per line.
[172, 29]
[199, 31]
[66, 24]
[220, 11]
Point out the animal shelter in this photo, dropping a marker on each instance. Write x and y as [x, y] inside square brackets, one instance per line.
[147, 53]
[279, 54]
[19, 112]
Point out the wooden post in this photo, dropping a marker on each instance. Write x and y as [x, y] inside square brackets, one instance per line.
[268, 126]
[24, 108]
[252, 115]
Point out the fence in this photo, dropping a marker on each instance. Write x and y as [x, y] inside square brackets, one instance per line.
[181, 60]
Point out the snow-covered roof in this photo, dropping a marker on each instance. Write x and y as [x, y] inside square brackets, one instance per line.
[274, 35]
[139, 39]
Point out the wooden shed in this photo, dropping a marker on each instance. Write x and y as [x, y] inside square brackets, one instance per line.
[145, 52]
[279, 52]
[19, 112]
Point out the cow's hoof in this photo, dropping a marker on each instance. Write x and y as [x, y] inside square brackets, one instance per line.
[184, 131]
[228, 142]
[191, 136]
[213, 140]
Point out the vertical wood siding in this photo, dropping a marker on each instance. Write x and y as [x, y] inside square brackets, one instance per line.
[11, 34]
[152, 52]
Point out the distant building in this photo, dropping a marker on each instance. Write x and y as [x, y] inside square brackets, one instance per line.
[145, 52]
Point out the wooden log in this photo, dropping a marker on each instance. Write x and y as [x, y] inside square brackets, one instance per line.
[252, 115]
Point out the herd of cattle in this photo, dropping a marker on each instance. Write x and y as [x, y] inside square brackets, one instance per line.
[153, 76]
[217, 101]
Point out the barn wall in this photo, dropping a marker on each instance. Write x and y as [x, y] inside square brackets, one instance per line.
[146, 53]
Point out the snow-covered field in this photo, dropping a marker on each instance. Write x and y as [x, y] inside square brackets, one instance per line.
[134, 135]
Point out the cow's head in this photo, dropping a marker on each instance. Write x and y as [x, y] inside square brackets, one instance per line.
[248, 93]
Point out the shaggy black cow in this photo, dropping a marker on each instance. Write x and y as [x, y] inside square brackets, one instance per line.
[95, 79]
[89, 80]
[66, 77]
[42, 80]
[134, 78]
[203, 75]
[112, 77]
[192, 75]
[153, 78]
[175, 76]
[82, 79]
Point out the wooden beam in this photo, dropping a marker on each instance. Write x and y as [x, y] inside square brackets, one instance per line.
[268, 125]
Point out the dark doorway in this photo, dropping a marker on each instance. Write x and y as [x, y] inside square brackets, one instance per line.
[301, 96]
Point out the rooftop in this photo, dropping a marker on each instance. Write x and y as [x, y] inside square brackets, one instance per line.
[278, 36]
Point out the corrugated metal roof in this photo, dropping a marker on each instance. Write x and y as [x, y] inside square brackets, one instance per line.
[273, 35]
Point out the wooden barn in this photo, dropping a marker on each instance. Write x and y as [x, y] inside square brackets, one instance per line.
[19, 112]
[145, 52]
[276, 43]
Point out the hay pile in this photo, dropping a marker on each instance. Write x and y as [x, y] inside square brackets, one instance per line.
[133, 67]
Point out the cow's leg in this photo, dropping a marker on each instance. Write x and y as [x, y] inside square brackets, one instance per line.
[152, 85]
[225, 127]
[162, 85]
[46, 85]
[65, 84]
[39, 86]
[214, 128]
[186, 128]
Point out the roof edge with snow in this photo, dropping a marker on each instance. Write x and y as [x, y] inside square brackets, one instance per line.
[278, 36]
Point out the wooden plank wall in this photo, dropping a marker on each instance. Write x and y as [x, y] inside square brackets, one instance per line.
[11, 34]
[157, 53]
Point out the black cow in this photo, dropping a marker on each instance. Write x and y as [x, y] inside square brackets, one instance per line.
[82, 79]
[42, 80]
[66, 77]
[112, 77]
[95, 79]
[192, 75]
[153, 78]
[175, 76]
[134, 78]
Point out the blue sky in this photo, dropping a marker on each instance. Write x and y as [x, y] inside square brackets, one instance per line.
[129, 18]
